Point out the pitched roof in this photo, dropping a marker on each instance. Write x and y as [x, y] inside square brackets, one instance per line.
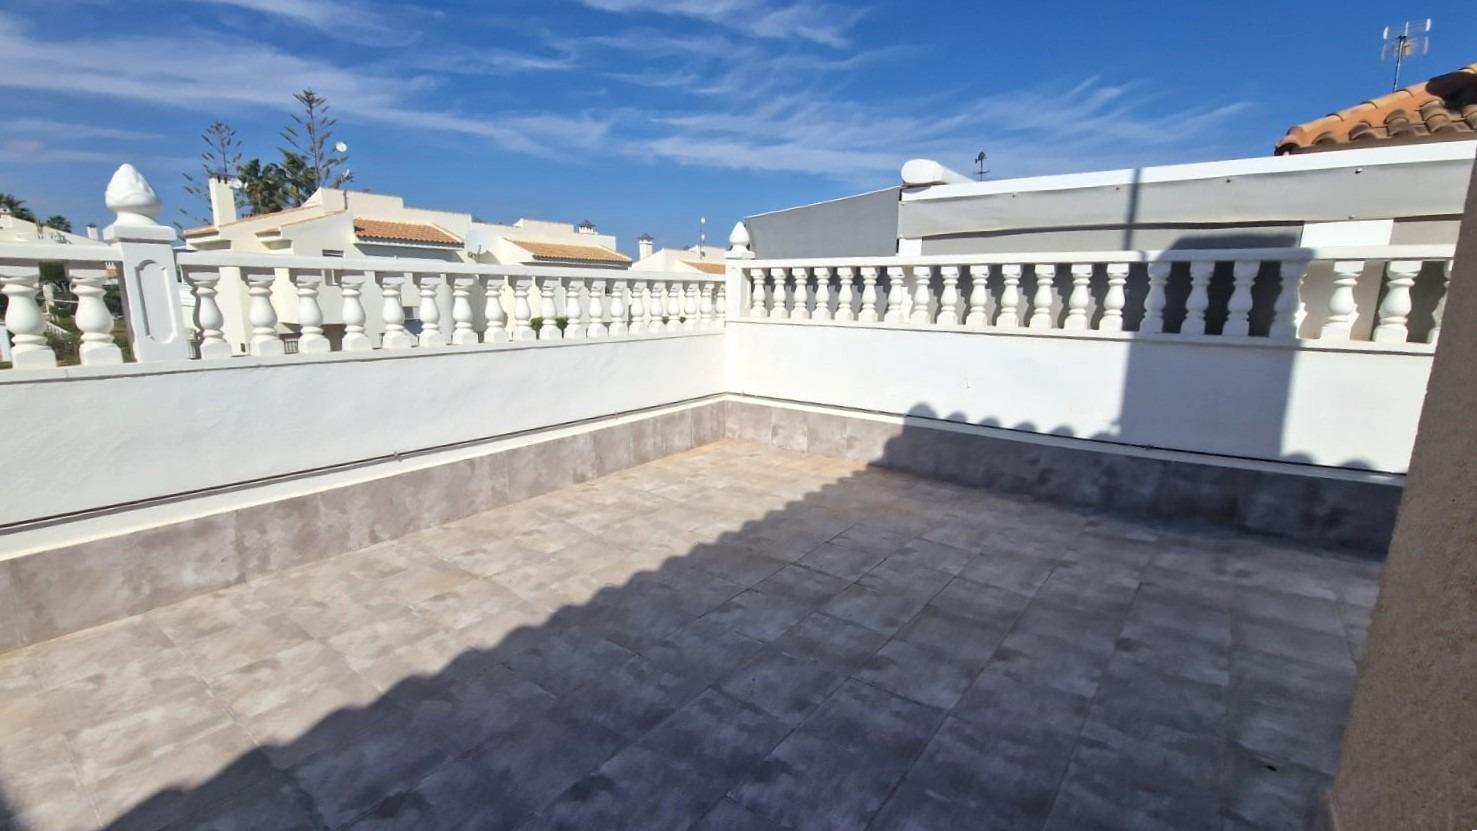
[205, 230]
[380, 229]
[568, 251]
[706, 266]
[1443, 108]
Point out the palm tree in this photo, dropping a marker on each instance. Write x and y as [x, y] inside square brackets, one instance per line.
[17, 207]
[58, 222]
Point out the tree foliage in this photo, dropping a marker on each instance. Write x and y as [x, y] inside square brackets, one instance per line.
[310, 160]
[58, 222]
[222, 157]
[17, 207]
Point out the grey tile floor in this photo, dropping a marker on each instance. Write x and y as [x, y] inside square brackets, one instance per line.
[734, 637]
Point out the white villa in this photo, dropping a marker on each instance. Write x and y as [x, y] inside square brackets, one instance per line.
[697, 259]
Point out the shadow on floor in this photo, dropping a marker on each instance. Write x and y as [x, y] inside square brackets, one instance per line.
[640, 651]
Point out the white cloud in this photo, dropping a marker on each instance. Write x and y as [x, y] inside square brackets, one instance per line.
[339, 18]
[821, 23]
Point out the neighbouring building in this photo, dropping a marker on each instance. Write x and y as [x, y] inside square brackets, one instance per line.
[1443, 108]
[696, 258]
[347, 223]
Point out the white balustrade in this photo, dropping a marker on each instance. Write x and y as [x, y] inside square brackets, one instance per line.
[1154, 301]
[393, 313]
[640, 311]
[922, 306]
[897, 293]
[822, 294]
[1342, 308]
[263, 317]
[868, 313]
[1114, 299]
[949, 296]
[1197, 303]
[1241, 301]
[720, 304]
[1287, 312]
[1042, 298]
[1010, 296]
[690, 308]
[576, 314]
[522, 311]
[616, 310]
[978, 316]
[463, 319]
[311, 340]
[497, 318]
[674, 307]
[549, 310]
[780, 308]
[707, 305]
[845, 294]
[23, 317]
[595, 312]
[757, 305]
[430, 311]
[351, 286]
[1079, 298]
[208, 318]
[802, 294]
[1440, 311]
[1394, 309]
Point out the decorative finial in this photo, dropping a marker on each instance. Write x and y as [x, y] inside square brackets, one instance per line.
[131, 198]
[738, 241]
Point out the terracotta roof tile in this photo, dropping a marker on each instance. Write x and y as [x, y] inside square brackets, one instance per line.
[380, 229]
[706, 266]
[1445, 107]
[568, 251]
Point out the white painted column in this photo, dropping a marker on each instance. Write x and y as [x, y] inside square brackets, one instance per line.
[522, 311]
[846, 294]
[1241, 301]
[577, 321]
[392, 312]
[96, 323]
[706, 305]
[497, 319]
[1154, 301]
[1342, 308]
[548, 309]
[822, 309]
[351, 287]
[868, 313]
[1042, 297]
[640, 312]
[1010, 297]
[921, 313]
[1440, 311]
[1394, 308]
[978, 316]
[264, 337]
[1198, 301]
[674, 307]
[757, 306]
[1287, 312]
[153, 314]
[1080, 297]
[208, 318]
[897, 293]
[690, 308]
[463, 330]
[1114, 299]
[23, 317]
[430, 311]
[616, 310]
[596, 310]
[309, 312]
[780, 308]
[949, 296]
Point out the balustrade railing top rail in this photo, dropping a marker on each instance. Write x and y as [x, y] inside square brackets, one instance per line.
[1242, 292]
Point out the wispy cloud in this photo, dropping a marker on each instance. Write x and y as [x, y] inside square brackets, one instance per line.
[71, 131]
[823, 23]
[339, 18]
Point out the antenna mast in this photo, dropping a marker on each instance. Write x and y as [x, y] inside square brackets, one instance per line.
[1405, 43]
[979, 166]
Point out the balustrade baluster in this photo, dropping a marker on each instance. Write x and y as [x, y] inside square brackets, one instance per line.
[1197, 303]
[1154, 301]
[391, 311]
[1394, 308]
[978, 316]
[757, 307]
[822, 310]
[430, 310]
[720, 304]
[549, 309]
[463, 332]
[846, 294]
[1042, 297]
[869, 295]
[690, 308]
[23, 317]
[801, 310]
[674, 307]
[706, 305]
[897, 295]
[1342, 308]
[522, 311]
[309, 312]
[1440, 311]
[1080, 297]
[1010, 297]
[263, 317]
[596, 313]
[95, 322]
[780, 308]
[1114, 299]
[351, 287]
[949, 296]
[497, 318]
[616, 310]
[576, 315]
[921, 312]
[1287, 312]
[1241, 301]
[640, 316]
[208, 317]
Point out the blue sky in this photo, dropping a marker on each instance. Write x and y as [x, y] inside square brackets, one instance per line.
[643, 115]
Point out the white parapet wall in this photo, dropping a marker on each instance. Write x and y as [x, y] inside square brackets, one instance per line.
[88, 438]
[1348, 405]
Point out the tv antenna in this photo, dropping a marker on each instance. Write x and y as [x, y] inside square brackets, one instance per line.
[980, 166]
[1410, 40]
[702, 237]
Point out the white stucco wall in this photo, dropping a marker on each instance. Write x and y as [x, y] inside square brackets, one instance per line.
[101, 436]
[1354, 406]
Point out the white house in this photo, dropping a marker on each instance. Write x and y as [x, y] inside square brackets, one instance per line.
[703, 259]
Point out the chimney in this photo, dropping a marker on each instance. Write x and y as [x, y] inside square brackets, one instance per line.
[587, 227]
[222, 200]
[91, 231]
[643, 246]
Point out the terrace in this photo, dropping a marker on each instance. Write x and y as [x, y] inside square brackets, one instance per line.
[1052, 539]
